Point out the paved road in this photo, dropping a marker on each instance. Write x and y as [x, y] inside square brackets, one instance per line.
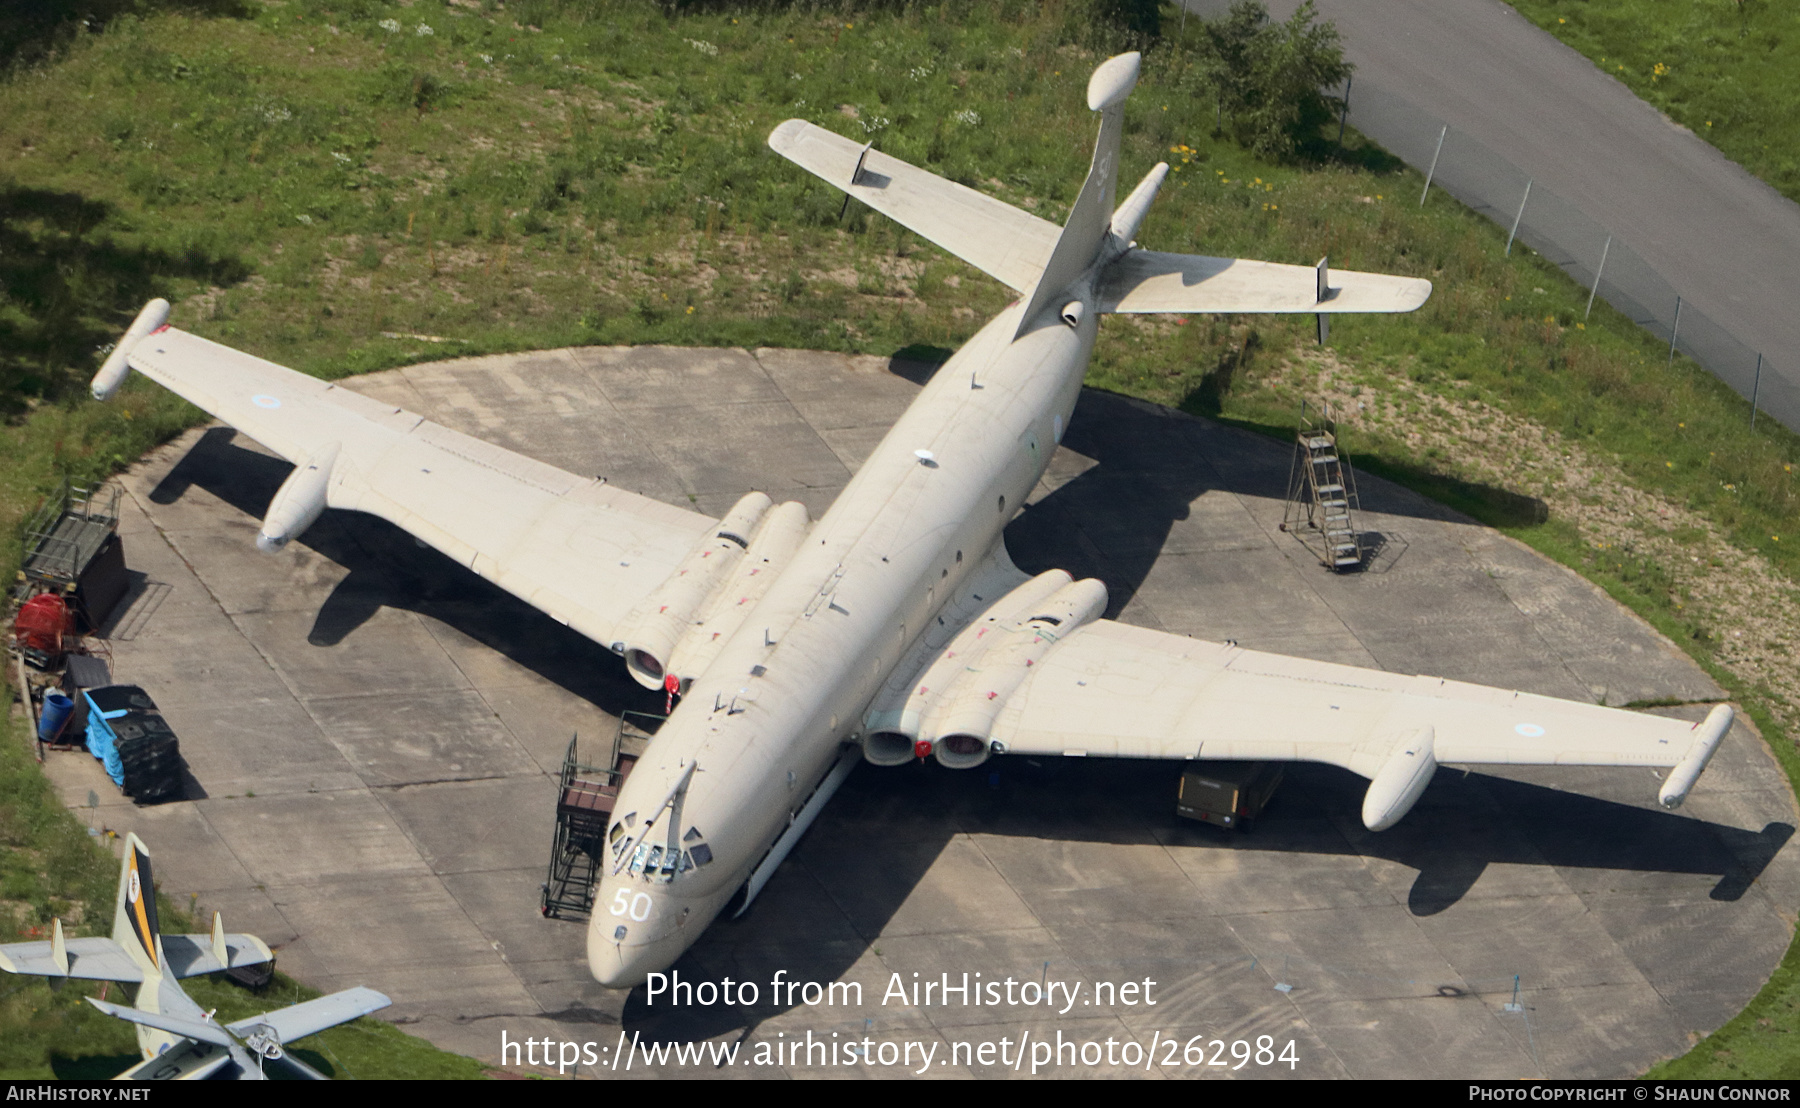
[1725, 240]
[373, 732]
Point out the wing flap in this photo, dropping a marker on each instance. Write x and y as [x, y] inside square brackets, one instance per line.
[574, 547]
[1153, 281]
[993, 236]
[1111, 689]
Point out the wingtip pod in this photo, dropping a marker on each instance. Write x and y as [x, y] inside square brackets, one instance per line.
[1113, 81]
[785, 134]
[153, 317]
[1707, 736]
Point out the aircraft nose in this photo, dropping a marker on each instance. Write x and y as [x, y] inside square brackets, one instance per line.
[633, 934]
[621, 963]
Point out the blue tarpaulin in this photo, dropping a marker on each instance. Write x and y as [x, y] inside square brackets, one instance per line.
[102, 743]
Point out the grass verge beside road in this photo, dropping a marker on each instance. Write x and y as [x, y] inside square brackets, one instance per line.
[1724, 70]
[348, 185]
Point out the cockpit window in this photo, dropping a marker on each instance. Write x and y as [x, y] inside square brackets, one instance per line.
[701, 854]
[617, 830]
[661, 864]
[693, 835]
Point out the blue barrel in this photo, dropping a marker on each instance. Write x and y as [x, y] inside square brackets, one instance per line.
[56, 712]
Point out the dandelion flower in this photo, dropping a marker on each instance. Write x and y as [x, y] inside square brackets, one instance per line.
[1671, 465]
[690, 310]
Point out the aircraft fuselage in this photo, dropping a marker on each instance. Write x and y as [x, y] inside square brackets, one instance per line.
[766, 720]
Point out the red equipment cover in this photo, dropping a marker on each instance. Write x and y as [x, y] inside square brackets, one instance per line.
[41, 624]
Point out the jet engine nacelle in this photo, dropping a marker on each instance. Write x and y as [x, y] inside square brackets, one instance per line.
[893, 723]
[1401, 780]
[960, 731]
[114, 370]
[298, 502]
[777, 537]
[649, 635]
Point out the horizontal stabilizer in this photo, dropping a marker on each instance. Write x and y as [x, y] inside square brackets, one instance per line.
[1152, 281]
[193, 955]
[88, 960]
[303, 1019]
[1007, 244]
[199, 1030]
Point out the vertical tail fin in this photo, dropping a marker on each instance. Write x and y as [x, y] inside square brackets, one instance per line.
[134, 919]
[1091, 217]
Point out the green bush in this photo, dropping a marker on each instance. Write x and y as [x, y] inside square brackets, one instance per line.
[1269, 77]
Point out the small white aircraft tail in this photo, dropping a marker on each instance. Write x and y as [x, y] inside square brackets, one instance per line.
[135, 927]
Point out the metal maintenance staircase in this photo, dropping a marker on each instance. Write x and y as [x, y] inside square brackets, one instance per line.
[585, 798]
[1322, 494]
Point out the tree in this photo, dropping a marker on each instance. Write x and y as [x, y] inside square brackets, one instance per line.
[1270, 77]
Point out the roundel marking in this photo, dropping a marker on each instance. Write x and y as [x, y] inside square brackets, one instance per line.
[1529, 730]
[264, 400]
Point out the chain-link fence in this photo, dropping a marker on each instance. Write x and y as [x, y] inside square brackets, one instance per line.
[1581, 246]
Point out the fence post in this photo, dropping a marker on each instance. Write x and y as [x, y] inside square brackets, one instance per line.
[1432, 172]
[1595, 291]
[1512, 234]
[1675, 331]
[1343, 114]
[1755, 390]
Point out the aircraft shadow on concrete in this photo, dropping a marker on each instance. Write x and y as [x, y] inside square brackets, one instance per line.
[386, 568]
[1113, 520]
[872, 848]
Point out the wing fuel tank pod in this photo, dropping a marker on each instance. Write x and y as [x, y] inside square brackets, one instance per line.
[114, 370]
[1401, 780]
[1706, 740]
[961, 731]
[654, 628]
[298, 502]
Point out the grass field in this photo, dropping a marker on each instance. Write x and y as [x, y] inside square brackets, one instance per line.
[1725, 69]
[347, 185]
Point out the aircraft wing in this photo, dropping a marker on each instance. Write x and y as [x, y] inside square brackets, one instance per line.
[303, 1019]
[574, 547]
[1152, 281]
[1109, 689]
[203, 1031]
[89, 960]
[1007, 244]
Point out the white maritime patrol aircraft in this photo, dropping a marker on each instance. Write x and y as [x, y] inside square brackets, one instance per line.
[180, 1040]
[895, 626]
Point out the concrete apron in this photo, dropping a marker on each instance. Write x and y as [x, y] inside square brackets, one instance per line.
[373, 735]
